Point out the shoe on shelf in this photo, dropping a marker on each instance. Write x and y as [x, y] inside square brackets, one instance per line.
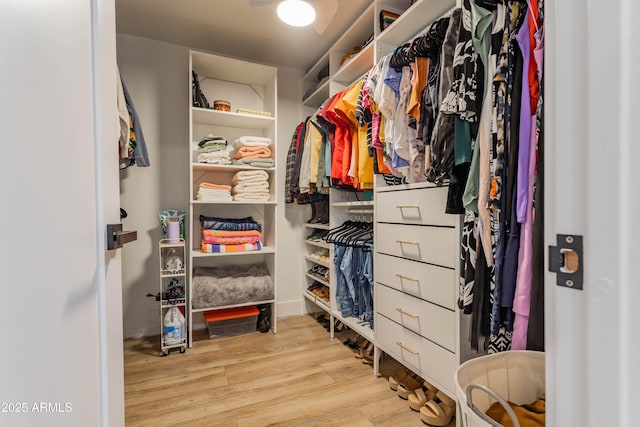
[422, 395]
[439, 411]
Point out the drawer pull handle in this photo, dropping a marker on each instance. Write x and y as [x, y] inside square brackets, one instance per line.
[407, 206]
[403, 277]
[401, 311]
[402, 346]
[406, 242]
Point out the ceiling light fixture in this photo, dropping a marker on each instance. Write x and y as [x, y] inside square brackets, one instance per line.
[297, 13]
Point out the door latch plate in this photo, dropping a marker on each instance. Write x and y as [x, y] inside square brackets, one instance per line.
[566, 260]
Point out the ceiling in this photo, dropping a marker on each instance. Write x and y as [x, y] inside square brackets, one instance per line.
[235, 28]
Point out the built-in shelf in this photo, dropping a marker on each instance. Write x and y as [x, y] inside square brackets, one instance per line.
[230, 119]
[317, 300]
[200, 310]
[320, 244]
[318, 96]
[234, 202]
[317, 279]
[318, 226]
[414, 186]
[355, 67]
[357, 203]
[355, 325]
[205, 167]
[318, 261]
[197, 253]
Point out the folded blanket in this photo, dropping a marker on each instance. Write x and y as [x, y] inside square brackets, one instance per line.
[254, 162]
[229, 224]
[245, 247]
[255, 141]
[211, 158]
[251, 186]
[212, 138]
[230, 284]
[231, 233]
[253, 152]
[251, 196]
[211, 186]
[230, 240]
[210, 148]
[243, 176]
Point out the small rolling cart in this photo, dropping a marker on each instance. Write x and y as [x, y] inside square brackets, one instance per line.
[173, 296]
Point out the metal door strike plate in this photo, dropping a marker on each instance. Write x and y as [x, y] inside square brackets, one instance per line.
[566, 259]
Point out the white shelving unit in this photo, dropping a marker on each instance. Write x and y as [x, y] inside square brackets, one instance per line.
[415, 17]
[173, 288]
[245, 85]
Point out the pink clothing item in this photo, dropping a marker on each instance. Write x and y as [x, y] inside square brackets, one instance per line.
[522, 297]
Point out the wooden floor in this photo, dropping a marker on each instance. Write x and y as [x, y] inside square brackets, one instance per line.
[297, 377]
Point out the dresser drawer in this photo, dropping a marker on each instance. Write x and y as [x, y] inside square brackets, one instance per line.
[423, 206]
[424, 318]
[417, 353]
[435, 245]
[425, 281]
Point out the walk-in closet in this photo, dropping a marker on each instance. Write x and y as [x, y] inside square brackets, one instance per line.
[319, 213]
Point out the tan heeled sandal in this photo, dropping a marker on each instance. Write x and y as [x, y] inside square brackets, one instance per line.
[396, 377]
[439, 411]
[408, 385]
[422, 395]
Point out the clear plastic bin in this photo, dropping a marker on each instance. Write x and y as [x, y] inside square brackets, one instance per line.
[231, 321]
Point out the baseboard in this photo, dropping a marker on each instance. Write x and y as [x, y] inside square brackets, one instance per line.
[290, 308]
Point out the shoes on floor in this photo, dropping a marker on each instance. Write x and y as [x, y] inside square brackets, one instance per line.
[396, 377]
[439, 411]
[408, 384]
[420, 396]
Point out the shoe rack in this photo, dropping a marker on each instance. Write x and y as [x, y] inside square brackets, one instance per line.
[317, 258]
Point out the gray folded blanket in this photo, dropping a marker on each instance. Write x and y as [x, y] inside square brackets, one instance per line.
[230, 285]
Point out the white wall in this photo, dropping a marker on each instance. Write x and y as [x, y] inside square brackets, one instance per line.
[156, 75]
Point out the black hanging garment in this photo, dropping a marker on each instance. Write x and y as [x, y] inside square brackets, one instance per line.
[198, 98]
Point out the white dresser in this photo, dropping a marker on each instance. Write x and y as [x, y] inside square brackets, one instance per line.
[416, 269]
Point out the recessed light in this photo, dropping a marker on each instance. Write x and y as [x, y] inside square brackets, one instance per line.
[297, 13]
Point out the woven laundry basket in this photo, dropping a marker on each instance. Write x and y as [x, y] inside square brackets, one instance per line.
[516, 376]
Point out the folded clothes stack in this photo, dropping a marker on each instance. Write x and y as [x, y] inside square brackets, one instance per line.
[250, 185]
[208, 192]
[221, 235]
[213, 150]
[253, 151]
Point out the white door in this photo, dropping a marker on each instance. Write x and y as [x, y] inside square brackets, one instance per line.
[592, 151]
[60, 316]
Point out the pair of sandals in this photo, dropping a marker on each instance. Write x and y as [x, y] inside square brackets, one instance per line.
[363, 349]
[435, 407]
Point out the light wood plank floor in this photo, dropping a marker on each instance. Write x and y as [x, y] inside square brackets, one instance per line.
[297, 377]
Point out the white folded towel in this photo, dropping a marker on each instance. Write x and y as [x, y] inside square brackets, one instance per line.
[251, 196]
[243, 176]
[252, 186]
[252, 141]
[240, 190]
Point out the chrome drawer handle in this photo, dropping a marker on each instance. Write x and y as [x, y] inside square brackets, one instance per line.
[407, 206]
[406, 242]
[401, 311]
[403, 277]
[402, 346]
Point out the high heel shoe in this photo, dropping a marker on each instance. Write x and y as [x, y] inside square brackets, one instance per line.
[422, 395]
[439, 411]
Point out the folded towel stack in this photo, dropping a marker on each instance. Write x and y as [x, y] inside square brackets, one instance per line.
[253, 151]
[208, 192]
[221, 235]
[213, 150]
[250, 185]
